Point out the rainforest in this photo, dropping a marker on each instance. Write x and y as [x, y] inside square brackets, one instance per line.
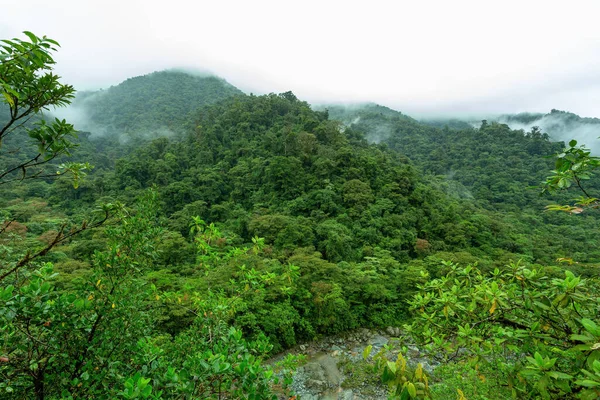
[172, 237]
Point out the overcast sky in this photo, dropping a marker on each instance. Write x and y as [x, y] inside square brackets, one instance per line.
[420, 57]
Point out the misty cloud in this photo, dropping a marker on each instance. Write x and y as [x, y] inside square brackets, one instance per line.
[445, 57]
[79, 114]
[561, 126]
[379, 133]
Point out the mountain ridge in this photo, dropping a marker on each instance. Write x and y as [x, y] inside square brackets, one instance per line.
[146, 106]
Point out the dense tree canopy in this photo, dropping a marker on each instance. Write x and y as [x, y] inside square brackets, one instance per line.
[218, 228]
[157, 104]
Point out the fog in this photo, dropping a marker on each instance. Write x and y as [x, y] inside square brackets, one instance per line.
[563, 127]
[461, 57]
[78, 114]
[465, 59]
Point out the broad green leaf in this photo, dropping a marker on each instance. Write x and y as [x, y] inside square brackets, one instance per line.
[391, 366]
[9, 99]
[31, 36]
[587, 383]
[590, 326]
[367, 351]
[559, 375]
[581, 338]
[539, 359]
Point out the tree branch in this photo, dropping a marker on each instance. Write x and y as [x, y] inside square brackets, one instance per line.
[57, 240]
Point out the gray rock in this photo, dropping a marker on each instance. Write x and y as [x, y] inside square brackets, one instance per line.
[346, 395]
[379, 341]
[332, 373]
[309, 396]
[314, 371]
[321, 379]
[413, 352]
[315, 385]
[364, 334]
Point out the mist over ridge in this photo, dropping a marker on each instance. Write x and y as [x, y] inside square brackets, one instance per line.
[153, 105]
[344, 200]
[560, 126]
[128, 110]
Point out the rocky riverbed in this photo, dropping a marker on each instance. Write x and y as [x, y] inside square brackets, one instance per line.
[335, 369]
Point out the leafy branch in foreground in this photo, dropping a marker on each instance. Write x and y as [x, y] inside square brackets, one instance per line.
[28, 86]
[573, 166]
[103, 214]
[78, 343]
[540, 335]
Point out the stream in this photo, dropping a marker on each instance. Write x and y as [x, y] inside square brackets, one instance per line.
[332, 368]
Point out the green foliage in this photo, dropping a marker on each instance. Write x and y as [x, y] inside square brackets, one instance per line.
[55, 340]
[271, 166]
[573, 166]
[94, 336]
[210, 360]
[349, 215]
[468, 380]
[98, 336]
[149, 106]
[138, 387]
[496, 171]
[496, 320]
[29, 87]
[269, 224]
[403, 383]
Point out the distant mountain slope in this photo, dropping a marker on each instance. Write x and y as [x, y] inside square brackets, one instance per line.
[498, 168]
[271, 166]
[560, 125]
[369, 114]
[565, 116]
[147, 106]
[452, 123]
[494, 164]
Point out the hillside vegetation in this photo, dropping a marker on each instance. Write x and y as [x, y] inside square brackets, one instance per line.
[149, 106]
[218, 228]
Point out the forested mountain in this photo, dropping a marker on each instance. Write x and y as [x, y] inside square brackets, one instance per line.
[153, 105]
[230, 216]
[499, 169]
[498, 166]
[552, 122]
[558, 125]
[255, 162]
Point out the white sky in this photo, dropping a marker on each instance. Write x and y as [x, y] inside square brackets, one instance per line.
[420, 57]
